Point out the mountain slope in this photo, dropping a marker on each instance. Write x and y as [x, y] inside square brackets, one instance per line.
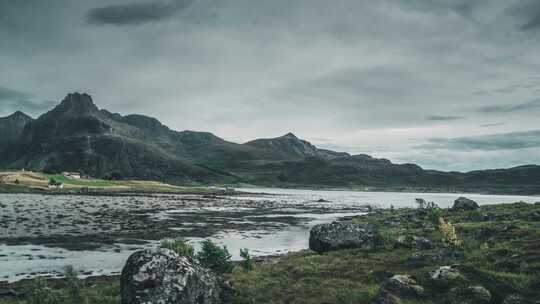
[11, 127]
[78, 136]
[290, 147]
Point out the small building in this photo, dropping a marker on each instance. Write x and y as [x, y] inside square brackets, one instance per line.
[74, 175]
[56, 186]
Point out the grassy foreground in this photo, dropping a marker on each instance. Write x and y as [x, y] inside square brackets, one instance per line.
[497, 247]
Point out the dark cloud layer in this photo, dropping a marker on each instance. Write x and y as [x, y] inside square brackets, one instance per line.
[135, 13]
[529, 13]
[526, 106]
[443, 118]
[10, 94]
[13, 100]
[503, 141]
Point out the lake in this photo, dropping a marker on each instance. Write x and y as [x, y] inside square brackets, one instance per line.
[40, 234]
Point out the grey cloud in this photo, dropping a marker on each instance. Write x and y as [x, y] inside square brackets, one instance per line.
[34, 108]
[496, 124]
[528, 13]
[13, 100]
[10, 94]
[443, 118]
[493, 142]
[135, 13]
[534, 104]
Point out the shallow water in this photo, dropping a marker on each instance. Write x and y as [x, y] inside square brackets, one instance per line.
[271, 223]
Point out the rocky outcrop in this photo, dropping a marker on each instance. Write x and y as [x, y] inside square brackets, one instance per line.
[165, 277]
[464, 204]
[415, 242]
[514, 299]
[337, 235]
[446, 277]
[469, 295]
[398, 287]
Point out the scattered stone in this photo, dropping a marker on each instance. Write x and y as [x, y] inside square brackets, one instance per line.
[469, 295]
[413, 242]
[464, 204]
[337, 235]
[403, 286]
[514, 299]
[8, 294]
[446, 276]
[165, 277]
[396, 288]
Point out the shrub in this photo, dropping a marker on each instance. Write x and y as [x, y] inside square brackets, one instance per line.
[180, 247]
[215, 258]
[434, 215]
[17, 182]
[247, 263]
[450, 234]
[73, 285]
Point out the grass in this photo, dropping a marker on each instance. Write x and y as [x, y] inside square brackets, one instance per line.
[81, 182]
[37, 182]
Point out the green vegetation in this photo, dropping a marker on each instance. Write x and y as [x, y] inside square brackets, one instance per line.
[180, 247]
[70, 290]
[214, 257]
[211, 256]
[59, 178]
[247, 262]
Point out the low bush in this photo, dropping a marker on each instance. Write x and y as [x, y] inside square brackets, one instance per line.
[180, 247]
[215, 258]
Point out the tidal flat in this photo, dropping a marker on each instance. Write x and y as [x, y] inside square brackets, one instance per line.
[41, 234]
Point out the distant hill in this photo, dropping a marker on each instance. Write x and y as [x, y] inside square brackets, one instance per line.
[78, 136]
[12, 126]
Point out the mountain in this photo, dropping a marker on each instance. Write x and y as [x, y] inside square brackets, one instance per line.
[291, 147]
[78, 136]
[11, 127]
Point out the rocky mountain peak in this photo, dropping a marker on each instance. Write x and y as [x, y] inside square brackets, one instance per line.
[289, 136]
[77, 103]
[19, 115]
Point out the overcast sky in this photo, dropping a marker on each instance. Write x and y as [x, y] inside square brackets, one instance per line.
[446, 84]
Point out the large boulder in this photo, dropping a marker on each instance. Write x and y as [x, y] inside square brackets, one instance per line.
[164, 277]
[337, 235]
[464, 204]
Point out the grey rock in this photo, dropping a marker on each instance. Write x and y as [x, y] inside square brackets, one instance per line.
[413, 242]
[164, 277]
[469, 295]
[403, 286]
[446, 276]
[464, 204]
[337, 235]
[396, 288]
[514, 299]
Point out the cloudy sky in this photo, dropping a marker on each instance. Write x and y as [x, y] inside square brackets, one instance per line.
[447, 84]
